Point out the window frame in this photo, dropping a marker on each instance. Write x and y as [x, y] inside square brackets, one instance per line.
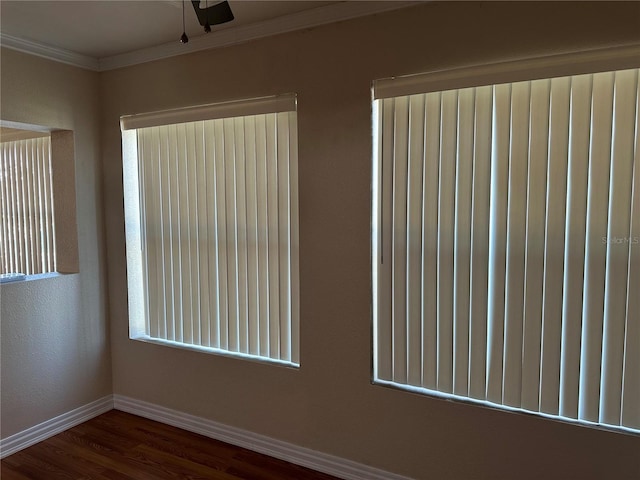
[63, 185]
[138, 330]
[565, 64]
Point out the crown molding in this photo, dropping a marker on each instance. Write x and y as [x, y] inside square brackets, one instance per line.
[51, 53]
[223, 38]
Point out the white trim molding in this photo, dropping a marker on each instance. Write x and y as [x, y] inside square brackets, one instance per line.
[335, 12]
[49, 428]
[50, 53]
[321, 462]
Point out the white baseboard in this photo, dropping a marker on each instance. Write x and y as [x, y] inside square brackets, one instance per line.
[51, 427]
[322, 462]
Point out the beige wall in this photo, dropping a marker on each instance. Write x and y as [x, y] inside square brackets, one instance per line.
[329, 404]
[55, 346]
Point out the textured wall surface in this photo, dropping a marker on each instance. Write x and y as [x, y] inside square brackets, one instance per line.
[55, 346]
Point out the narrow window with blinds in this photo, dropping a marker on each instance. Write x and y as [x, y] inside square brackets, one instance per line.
[506, 243]
[211, 211]
[27, 227]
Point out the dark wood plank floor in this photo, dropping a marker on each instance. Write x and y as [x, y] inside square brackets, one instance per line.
[120, 446]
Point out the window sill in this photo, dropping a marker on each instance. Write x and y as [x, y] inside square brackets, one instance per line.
[504, 408]
[8, 278]
[215, 351]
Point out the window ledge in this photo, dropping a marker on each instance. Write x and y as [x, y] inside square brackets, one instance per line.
[505, 408]
[215, 351]
[7, 278]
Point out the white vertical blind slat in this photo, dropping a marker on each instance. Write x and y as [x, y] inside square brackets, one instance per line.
[497, 239]
[42, 238]
[399, 239]
[193, 233]
[213, 272]
[284, 233]
[162, 259]
[273, 234]
[554, 246]
[41, 152]
[29, 206]
[202, 235]
[535, 235]
[462, 241]
[222, 241]
[262, 233]
[148, 244]
[253, 312]
[142, 172]
[9, 206]
[617, 254]
[430, 179]
[159, 281]
[479, 273]
[414, 239]
[578, 163]
[38, 172]
[186, 325]
[33, 209]
[15, 223]
[37, 216]
[21, 207]
[35, 212]
[516, 241]
[446, 238]
[241, 222]
[37, 180]
[231, 219]
[384, 261]
[595, 249]
[44, 149]
[174, 223]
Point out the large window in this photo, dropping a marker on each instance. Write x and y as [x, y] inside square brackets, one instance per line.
[212, 227]
[506, 241]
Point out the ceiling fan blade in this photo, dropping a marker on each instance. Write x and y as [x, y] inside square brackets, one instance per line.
[213, 15]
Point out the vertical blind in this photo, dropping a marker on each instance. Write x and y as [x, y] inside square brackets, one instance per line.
[27, 230]
[218, 234]
[507, 244]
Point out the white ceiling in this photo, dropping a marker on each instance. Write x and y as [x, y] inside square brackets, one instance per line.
[103, 34]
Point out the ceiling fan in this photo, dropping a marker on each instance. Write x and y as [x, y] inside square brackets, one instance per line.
[207, 16]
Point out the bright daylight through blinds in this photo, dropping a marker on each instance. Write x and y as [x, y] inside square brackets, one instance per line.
[212, 233]
[27, 230]
[507, 245]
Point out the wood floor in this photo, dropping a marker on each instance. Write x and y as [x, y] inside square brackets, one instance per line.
[120, 446]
